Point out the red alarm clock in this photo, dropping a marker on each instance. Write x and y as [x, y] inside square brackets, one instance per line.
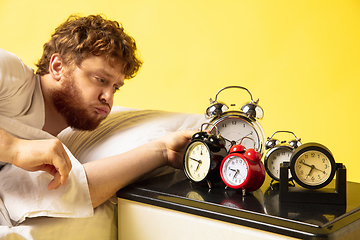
[242, 169]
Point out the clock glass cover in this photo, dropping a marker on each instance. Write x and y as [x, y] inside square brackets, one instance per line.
[197, 161]
[277, 156]
[313, 168]
[233, 129]
[234, 171]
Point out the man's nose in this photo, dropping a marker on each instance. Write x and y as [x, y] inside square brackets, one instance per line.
[107, 96]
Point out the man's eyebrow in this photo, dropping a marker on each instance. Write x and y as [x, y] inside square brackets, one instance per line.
[104, 72]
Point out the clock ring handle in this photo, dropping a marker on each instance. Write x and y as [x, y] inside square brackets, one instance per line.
[251, 109]
[270, 143]
[286, 132]
[216, 96]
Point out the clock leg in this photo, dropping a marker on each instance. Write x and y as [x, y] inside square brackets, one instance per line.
[208, 183]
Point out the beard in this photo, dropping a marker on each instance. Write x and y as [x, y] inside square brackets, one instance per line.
[68, 102]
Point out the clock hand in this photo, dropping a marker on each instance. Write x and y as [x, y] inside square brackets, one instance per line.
[319, 169]
[302, 162]
[199, 161]
[312, 168]
[309, 172]
[237, 172]
[199, 164]
[244, 136]
[232, 142]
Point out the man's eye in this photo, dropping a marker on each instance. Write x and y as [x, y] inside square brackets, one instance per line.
[100, 80]
[116, 89]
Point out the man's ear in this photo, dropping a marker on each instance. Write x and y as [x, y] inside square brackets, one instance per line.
[56, 66]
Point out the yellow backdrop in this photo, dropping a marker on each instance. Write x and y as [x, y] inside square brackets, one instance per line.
[300, 58]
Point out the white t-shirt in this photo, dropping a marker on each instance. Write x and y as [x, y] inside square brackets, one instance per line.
[20, 92]
[22, 114]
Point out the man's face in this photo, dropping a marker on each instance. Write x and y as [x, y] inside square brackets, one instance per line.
[87, 92]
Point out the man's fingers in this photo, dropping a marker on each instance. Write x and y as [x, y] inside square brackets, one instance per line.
[63, 166]
[58, 179]
[44, 155]
[55, 183]
[67, 160]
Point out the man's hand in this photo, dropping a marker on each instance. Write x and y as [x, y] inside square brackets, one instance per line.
[42, 155]
[174, 145]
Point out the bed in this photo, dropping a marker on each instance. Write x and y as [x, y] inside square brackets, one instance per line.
[123, 130]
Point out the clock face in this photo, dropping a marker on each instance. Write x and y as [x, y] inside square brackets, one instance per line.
[233, 129]
[313, 168]
[276, 156]
[197, 161]
[234, 171]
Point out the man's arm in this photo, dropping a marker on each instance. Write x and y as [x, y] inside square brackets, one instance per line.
[34, 155]
[106, 176]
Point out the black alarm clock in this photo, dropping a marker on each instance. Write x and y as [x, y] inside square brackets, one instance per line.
[203, 157]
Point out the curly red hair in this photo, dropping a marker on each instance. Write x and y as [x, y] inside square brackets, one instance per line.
[79, 37]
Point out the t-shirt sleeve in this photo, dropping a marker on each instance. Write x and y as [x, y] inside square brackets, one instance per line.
[20, 91]
[14, 74]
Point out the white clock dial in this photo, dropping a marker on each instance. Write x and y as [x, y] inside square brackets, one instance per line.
[197, 161]
[233, 129]
[313, 168]
[234, 170]
[276, 157]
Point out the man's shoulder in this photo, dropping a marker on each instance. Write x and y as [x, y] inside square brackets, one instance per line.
[13, 72]
[6, 56]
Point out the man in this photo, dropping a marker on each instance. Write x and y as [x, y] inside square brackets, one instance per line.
[85, 62]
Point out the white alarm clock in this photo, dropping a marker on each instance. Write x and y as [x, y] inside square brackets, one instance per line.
[235, 124]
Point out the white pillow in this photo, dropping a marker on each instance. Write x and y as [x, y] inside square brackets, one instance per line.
[125, 129]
